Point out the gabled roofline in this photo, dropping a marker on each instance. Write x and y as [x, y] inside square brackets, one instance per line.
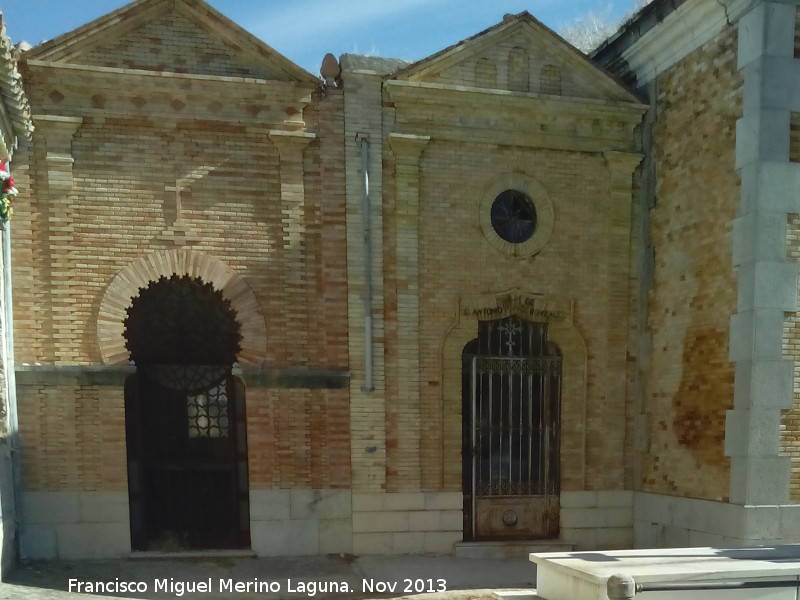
[15, 111]
[54, 50]
[664, 32]
[508, 22]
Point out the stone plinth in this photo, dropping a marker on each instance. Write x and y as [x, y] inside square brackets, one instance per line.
[583, 575]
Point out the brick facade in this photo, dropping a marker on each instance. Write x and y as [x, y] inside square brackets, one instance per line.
[689, 385]
[169, 141]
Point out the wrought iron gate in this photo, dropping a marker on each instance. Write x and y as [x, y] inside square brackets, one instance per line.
[513, 385]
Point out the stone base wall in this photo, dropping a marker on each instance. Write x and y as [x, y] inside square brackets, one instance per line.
[301, 522]
[672, 522]
[75, 525]
[407, 522]
[597, 519]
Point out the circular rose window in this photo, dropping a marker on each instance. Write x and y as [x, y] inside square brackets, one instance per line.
[516, 215]
[513, 217]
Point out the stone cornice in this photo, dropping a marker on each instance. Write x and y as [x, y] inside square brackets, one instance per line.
[419, 92]
[659, 47]
[267, 377]
[286, 85]
[493, 117]
[102, 92]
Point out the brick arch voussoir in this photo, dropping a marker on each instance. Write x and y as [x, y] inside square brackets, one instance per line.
[185, 261]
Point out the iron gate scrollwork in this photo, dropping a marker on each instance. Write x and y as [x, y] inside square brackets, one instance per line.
[512, 393]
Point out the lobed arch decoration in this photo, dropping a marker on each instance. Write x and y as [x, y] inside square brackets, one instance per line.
[182, 261]
[561, 331]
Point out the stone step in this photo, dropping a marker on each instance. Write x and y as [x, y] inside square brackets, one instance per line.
[510, 549]
[516, 595]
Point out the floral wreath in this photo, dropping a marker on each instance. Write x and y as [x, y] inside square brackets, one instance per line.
[9, 192]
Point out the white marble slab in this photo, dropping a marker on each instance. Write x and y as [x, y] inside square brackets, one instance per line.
[583, 575]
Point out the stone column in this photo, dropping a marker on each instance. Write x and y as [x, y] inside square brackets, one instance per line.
[620, 167]
[294, 291]
[404, 410]
[57, 134]
[767, 280]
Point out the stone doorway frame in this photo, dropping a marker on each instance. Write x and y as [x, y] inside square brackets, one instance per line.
[558, 313]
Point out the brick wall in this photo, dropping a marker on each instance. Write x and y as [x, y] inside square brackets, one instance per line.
[161, 44]
[790, 423]
[228, 179]
[689, 385]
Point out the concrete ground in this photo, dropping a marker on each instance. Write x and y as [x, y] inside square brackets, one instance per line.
[434, 577]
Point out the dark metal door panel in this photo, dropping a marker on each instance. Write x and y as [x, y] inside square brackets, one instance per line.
[514, 416]
[189, 468]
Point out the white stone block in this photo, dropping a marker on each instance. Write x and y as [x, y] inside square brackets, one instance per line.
[408, 542]
[762, 522]
[673, 537]
[772, 188]
[441, 542]
[336, 536]
[404, 501]
[50, 507]
[444, 501]
[320, 504]
[364, 522]
[104, 507]
[424, 520]
[270, 505]
[767, 30]
[578, 499]
[38, 542]
[701, 539]
[790, 523]
[615, 537]
[87, 541]
[583, 518]
[372, 543]
[767, 284]
[756, 334]
[752, 432]
[284, 538]
[645, 534]
[368, 501]
[760, 480]
[759, 235]
[581, 539]
[763, 384]
[452, 520]
[653, 508]
[762, 136]
[619, 498]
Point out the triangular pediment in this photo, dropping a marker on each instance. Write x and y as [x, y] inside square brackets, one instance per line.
[520, 54]
[180, 36]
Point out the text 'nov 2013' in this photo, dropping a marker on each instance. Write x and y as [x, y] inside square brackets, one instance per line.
[309, 588]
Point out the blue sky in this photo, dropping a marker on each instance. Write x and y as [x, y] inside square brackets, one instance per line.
[304, 30]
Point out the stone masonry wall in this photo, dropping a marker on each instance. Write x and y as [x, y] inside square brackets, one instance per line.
[690, 382]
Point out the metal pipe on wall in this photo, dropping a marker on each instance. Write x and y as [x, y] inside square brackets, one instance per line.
[369, 385]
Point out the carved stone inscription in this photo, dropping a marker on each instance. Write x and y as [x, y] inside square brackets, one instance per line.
[532, 308]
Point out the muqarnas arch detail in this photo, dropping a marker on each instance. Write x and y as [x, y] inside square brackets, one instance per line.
[185, 261]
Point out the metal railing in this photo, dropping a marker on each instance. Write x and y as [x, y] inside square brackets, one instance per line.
[623, 587]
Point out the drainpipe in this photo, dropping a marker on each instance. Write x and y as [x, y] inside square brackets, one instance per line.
[369, 385]
[7, 317]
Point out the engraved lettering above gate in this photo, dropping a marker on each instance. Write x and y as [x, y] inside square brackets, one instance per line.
[514, 302]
